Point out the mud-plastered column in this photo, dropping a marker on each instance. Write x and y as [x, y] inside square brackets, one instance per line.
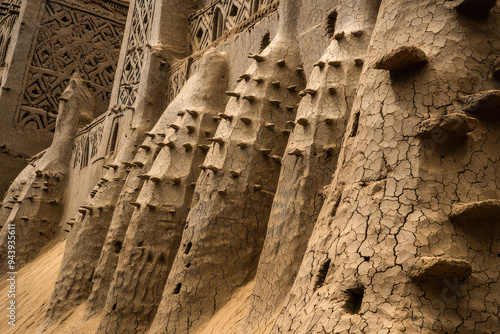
[311, 158]
[155, 230]
[227, 222]
[393, 250]
[34, 205]
[140, 93]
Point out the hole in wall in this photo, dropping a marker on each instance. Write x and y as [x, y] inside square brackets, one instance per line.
[199, 35]
[85, 154]
[188, 248]
[157, 151]
[3, 50]
[177, 289]
[233, 11]
[255, 7]
[117, 246]
[114, 307]
[336, 205]
[188, 265]
[355, 125]
[218, 24]
[321, 276]
[330, 24]
[114, 138]
[354, 300]
[91, 277]
[140, 244]
[149, 259]
[266, 40]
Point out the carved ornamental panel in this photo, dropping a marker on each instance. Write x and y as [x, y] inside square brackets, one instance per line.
[87, 143]
[177, 77]
[9, 12]
[73, 36]
[138, 39]
[209, 23]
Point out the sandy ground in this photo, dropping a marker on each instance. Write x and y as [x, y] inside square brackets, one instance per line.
[228, 318]
[35, 283]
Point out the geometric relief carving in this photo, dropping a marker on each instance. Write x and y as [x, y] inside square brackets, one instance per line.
[177, 77]
[87, 143]
[207, 24]
[72, 37]
[140, 31]
[9, 12]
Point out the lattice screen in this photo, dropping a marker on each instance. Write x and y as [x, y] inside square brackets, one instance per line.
[72, 37]
[9, 12]
[234, 12]
[139, 36]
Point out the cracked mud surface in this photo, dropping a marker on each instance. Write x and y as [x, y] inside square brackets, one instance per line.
[361, 196]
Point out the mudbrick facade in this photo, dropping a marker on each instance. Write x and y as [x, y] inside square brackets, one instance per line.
[42, 44]
[257, 166]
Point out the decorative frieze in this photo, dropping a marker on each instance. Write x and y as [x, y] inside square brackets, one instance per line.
[137, 41]
[226, 17]
[9, 12]
[177, 77]
[87, 143]
[72, 37]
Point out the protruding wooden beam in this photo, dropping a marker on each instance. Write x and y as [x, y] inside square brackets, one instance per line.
[403, 58]
[297, 152]
[440, 268]
[204, 148]
[334, 63]
[217, 140]
[246, 120]
[226, 116]
[303, 121]
[319, 64]
[256, 57]
[448, 127]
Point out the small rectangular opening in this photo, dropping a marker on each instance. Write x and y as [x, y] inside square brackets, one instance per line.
[354, 299]
[113, 139]
[323, 271]
[177, 289]
[331, 21]
[355, 125]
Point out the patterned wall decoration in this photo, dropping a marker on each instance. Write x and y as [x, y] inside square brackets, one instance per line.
[87, 143]
[236, 14]
[177, 77]
[140, 32]
[73, 36]
[9, 12]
